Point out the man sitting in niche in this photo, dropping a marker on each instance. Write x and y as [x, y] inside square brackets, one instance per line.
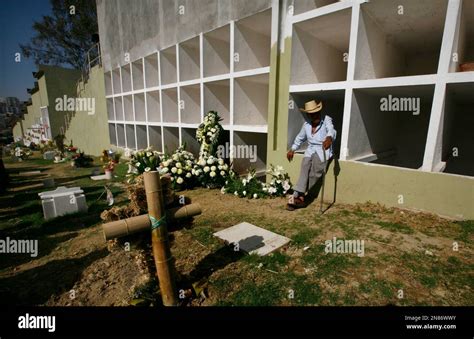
[320, 134]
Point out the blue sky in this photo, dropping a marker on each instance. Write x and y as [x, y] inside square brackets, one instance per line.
[16, 21]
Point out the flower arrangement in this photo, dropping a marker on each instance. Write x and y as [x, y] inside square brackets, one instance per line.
[110, 159]
[280, 181]
[46, 146]
[21, 153]
[179, 166]
[208, 134]
[251, 187]
[142, 161]
[211, 171]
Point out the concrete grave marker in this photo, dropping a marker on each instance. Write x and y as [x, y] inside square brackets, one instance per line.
[63, 201]
[252, 239]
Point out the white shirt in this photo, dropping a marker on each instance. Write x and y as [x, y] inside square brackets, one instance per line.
[315, 141]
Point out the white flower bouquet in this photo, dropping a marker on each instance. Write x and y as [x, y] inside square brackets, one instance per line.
[179, 166]
[143, 161]
[252, 188]
[211, 172]
[208, 134]
[21, 153]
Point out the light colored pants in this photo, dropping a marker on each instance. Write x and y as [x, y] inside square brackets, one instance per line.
[311, 170]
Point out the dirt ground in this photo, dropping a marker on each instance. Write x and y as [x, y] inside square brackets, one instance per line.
[410, 257]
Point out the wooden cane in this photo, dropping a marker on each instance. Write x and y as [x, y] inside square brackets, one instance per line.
[323, 179]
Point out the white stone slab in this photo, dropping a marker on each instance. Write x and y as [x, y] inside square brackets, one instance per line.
[252, 239]
[99, 177]
[29, 173]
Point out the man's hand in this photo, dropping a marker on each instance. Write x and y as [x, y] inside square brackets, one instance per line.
[327, 143]
[290, 155]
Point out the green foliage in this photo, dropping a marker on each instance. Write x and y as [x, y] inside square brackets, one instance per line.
[64, 37]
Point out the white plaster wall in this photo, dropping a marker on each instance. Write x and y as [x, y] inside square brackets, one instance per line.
[216, 49]
[217, 98]
[153, 106]
[251, 100]
[191, 100]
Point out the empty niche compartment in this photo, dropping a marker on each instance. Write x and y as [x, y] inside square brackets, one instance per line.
[171, 139]
[137, 72]
[458, 139]
[188, 136]
[126, 79]
[190, 105]
[118, 109]
[170, 105]
[154, 135]
[389, 125]
[116, 81]
[252, 41]
[128, 107]
[153, 106]
[130, 133]
[142, 142]
[189, 59]
[110, 109]
[139, 102]
[250, 151]
[464, 41]
[217, 98]
[112, 134]
[216, 54]
[319, 49]
[302, 6]
[151, 70]
[120, 135]
[251, 100]
[333, 106]
[168, 65]
[108, 83]
[393, 45]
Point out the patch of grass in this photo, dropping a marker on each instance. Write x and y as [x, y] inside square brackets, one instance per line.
[395, 227]
[273, 261]
[467, 229]
[305, 236]
[269, 293]
[379, 288]
[428, 281]
[204, 235]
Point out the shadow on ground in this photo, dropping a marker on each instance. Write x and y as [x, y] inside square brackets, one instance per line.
[37, 285]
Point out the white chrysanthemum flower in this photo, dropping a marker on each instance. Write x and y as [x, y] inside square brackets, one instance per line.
[175, 157]
[188, 175]
[172, 178]
[213, 168]
[212, 174]
[223, 190]
[244, 193]
[179, 171]
[178, 165]
[148, 169]
[264, 189]
[221, 162]
[179, 180]
[222, 173]
[165, 170]
[174, 170]
[149, 154]
[255, 195]
[202, 162]
[244, 182]
[206, 169]
[272, 190]
[210, 161]
[236, 193]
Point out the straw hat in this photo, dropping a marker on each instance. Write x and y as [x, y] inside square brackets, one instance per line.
[312, 107]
